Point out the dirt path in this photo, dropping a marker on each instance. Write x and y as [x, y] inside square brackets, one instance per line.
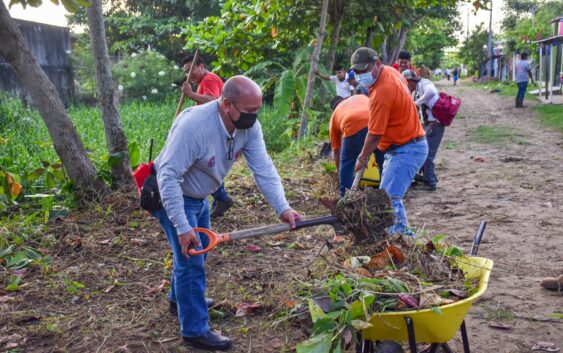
[517, 188]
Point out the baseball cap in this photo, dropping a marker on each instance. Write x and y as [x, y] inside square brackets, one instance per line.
[411, 75]
[362, 57]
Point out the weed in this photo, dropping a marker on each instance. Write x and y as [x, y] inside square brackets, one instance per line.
[551, 115]
[498, 135]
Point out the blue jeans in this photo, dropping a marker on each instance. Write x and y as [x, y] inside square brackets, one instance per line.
[401, 165]
[521, 90]
[187, 287]
[220, 194]
[434, 133]
[351, 149]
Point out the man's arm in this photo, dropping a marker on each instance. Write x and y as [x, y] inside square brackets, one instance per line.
[530, 74]
[336, 155]
[266, 176]
[370, 144]
[322, 76]
[429, 93]
[199, 98]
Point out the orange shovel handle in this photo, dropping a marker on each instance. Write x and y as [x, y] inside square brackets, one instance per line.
[214, 240]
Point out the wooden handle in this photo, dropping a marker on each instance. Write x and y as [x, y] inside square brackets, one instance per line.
[183, 98]
[283, 227]
[357, 178]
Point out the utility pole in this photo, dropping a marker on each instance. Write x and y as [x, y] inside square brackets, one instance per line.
[467, 32]
[490, 48]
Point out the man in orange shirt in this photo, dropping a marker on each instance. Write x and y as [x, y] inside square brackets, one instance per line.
[404, 63]
[393, 127]
[209, 88]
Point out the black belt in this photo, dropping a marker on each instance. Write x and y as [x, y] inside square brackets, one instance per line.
[416, 139]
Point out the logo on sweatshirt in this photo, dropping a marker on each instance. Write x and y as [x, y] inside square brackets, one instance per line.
[211, 162]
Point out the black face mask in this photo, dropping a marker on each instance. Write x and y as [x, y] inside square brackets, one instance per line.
[245, 120]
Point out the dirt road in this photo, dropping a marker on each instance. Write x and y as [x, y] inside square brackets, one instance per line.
[517, 186]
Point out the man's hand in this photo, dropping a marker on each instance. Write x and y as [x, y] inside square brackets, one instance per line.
[187, 89]
[186, 240]
[290, 216]
[360, 163]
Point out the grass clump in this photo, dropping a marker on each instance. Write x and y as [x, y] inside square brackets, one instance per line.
[498, 135]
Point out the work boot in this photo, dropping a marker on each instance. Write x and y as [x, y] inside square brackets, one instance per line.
[517, 102]
[173, 307]
[211, 341]
[221, 207]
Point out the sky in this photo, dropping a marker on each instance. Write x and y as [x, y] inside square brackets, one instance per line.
[55, 15]
[46, 13]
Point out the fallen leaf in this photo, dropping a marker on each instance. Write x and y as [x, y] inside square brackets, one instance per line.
[363, 272]
[154, 290]
[253, 248]
[289, 303]
[499, 325]
[347, 337]
[104, 242]
[428, 300]
[545, 347]
[478, 159]
[108, 289]
[245, 309]
[396, 254]
[275, 243]
[6, 299]
[324, 302]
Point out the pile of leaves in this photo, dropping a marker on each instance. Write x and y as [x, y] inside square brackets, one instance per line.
[401, 275]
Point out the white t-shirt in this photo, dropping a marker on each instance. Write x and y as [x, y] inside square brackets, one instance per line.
[342, 87]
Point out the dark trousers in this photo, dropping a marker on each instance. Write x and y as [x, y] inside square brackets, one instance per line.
[521, 90]
[350, 150]
[434, 133]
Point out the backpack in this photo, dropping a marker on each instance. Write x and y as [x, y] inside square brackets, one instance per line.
[446, 108]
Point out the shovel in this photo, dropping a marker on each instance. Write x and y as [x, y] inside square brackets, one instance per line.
[216, 238]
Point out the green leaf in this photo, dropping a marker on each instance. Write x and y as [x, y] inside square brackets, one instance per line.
[556, 315]
[18, 261]
[134, 154]
[360, 324]
[438, 238]
[69, 5]
[316, 311]
[284, 93]
[316, 344]
[8, 251]
[357, 310]
[437, 310]
[325, 324]
[116, 158]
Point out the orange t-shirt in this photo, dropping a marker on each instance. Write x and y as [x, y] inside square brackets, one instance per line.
[393, 114]
[349, 117]
[210, 85]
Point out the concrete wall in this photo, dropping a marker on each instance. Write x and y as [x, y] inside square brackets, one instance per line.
[50, 45]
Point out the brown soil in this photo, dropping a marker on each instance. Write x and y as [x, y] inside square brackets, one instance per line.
[122, 258]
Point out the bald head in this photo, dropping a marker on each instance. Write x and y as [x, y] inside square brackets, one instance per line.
[241, 88]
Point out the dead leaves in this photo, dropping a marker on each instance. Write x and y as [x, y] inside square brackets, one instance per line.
[392, 255]
[245, 309]
[152, 291]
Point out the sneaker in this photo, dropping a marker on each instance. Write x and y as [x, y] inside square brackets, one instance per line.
[431, 187]
[173, 307]
[211, 341]
[221, 207]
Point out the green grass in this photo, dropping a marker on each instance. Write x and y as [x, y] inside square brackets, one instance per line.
[498, 135]
[507, 89]
[551, 115]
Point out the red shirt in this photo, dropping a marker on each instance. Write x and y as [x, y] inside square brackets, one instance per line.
[396, 67]
[210, 85]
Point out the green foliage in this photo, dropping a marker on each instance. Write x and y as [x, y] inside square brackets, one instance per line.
[471, 52]
[551, 115]
[273, 29]
[147, 75]
[430, 37]
[83, 67]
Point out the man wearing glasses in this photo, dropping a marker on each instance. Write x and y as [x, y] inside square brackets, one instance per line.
[201, 148]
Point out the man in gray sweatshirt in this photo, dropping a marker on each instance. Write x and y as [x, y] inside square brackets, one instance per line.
[202, 146]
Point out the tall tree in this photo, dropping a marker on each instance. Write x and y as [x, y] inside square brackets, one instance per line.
[65, 138]
[312, 70]
[107, 96]
[471, 52]
[336, 12]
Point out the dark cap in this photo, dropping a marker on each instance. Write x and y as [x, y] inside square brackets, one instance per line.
[362, 57]
[411, 75]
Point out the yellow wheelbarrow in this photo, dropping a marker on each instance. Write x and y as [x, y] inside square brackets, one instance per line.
[428, 326]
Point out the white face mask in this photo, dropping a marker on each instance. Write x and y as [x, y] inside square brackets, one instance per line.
[366, 79]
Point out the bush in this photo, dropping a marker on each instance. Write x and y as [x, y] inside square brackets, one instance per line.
[147, 75]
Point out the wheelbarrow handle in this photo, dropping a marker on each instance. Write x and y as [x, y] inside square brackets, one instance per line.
[477, 239]
[358, 178]
[216, 239]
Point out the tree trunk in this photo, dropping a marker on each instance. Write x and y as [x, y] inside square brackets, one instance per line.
[107, 96]
[311, 78]
[369, 37]
[383, 49]
[65, 138]
[401, 37]
[336, 17]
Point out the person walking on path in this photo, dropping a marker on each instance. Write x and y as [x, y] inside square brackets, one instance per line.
[425, 96]
[522, 71]
[393, 127]
[202, 146]
[456, 76]
[209, 88]
[447, 72]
